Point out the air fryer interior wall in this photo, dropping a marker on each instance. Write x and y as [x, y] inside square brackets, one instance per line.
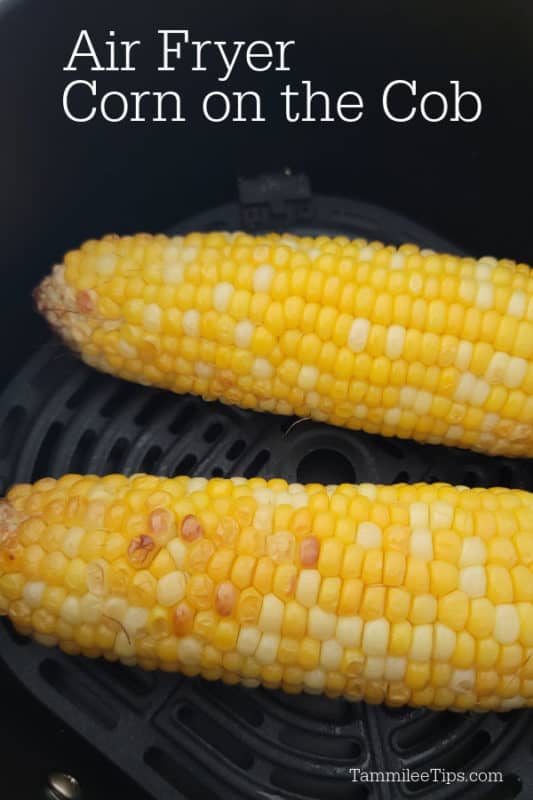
[63, 182]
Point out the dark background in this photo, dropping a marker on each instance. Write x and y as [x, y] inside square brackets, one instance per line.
[62, 182]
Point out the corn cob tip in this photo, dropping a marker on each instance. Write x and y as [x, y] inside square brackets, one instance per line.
[67, 311]
[9, 522]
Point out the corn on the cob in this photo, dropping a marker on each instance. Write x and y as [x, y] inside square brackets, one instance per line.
[401, 342]
[417, 594]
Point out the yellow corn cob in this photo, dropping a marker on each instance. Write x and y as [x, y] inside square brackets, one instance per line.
[417, 594]
[401, 342]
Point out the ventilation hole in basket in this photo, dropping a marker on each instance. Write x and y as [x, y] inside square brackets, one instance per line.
[117, 455]
[217, 736]
[217, 472]
[236, 449]
[84, 389]
[46, 451]
[125, 679]
[213, 432]
[186, 465]
[152, 408]
[10, 428]
[182, 419]
[255, 466]
[506, 789]
[327, 747]
[67, 682]
[309, 785]
[178, 776]
[325, 466]
[82, 453]
[237, 700]
[425, 731]
[150, 459]
[401, 477]
[113, 404]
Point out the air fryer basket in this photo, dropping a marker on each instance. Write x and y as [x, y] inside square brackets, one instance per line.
[182, 738]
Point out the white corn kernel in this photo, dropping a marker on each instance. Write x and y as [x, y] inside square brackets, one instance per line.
[473, 581]
[465, 387]
[271, 616]
[191, 322]
[171, 588]
[307, 377]
[421, 544]
[321, 624]
[376, 637]
[443, 643]
[421, 642]
[517, 304]
[134, 620]
[419, 515]
[463, 680]
[473, 552]
[189, 650]
[307, 587]
[33, 593]
[358, 335]
[263, 278]
[70, 610]
[330, 655]
[395, 667]
[222, 295]
[464, 355]
[72, 540]
[395, 341]
[248, 639]
[516, 372]
[348, 631]
[243, 334]
[485, 296]
[441, 515]
[267, 649]
[173, 274]
[506, 624]
[374, 668]
[368, 535]
[315, 680]
[178, 551]
[152, 317]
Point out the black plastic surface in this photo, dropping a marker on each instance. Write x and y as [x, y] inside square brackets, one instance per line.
[187, 738]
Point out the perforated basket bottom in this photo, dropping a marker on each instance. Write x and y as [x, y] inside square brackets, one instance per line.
[178, 737]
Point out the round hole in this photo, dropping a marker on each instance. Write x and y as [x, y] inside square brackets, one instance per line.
[325, 466]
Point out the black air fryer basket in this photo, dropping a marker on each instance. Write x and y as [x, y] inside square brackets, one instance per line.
[178, 737]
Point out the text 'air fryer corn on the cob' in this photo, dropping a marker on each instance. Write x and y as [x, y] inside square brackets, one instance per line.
[417, 594]
[400, 342]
